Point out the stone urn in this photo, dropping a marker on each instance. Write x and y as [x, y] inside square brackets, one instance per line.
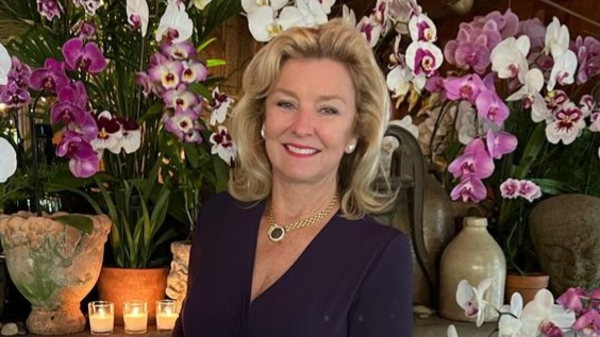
[54, 266]
[565, 231]
[178, 275]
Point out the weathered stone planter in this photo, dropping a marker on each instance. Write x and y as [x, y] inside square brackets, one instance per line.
[54, 266]
[178, 275]
[565, 233]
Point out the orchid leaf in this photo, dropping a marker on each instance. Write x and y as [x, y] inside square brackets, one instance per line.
[215, 62]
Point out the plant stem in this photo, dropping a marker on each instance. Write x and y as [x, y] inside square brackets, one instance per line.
[36, 181]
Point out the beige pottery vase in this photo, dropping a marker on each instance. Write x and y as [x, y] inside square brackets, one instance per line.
[54, 266]
[178, 274]
[474, 256]
[119, 285]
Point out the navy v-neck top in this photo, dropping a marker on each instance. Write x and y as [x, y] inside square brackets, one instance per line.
[354, 279]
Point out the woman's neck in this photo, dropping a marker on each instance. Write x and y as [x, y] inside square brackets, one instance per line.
[293, 202]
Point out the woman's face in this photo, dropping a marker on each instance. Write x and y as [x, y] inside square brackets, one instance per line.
[309, 121]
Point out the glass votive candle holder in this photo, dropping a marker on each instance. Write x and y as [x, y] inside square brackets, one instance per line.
[166, 315]
[135, 317]
[102, 317]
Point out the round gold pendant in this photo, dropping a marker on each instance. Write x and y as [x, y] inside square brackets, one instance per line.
[276, 233]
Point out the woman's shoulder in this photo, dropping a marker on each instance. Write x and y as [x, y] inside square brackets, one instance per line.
[224, 200]
[369, 231]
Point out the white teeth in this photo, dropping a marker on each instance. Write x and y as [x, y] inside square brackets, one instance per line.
[301, 151]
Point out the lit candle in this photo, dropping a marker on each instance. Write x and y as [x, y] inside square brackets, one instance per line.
[165, 321]
[102, 317]
[101, 323]
[135, 317]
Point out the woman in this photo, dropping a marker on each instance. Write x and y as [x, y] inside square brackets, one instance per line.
[290, 251]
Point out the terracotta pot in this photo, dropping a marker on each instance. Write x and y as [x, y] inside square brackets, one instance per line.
[54, 266]
[526, 285]
[120, 285]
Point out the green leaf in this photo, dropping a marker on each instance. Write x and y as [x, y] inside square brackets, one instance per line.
[554, 187]
[81, 222]
[215, 62]
[200, 89]
[205, 44]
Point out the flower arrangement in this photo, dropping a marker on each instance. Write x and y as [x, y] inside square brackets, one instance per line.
[514, 109]
[575, 311]
[136, 132]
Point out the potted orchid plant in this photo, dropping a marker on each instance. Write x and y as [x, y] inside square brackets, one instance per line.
[518, 101]
[137, 118]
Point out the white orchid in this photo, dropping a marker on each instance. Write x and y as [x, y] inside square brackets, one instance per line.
[264, 25]
[327, 4]
[8, 164]
[530, 93]
[348, 15]
[424, 57]
[567, 125]
[452, 331]
[223, 145]
[471, 299]
[175, 19]
[250, 6]
[312, 11]
[371, 29]
[422, 28]
[563, 71]
[407, 123]
[509, 58]
[542, 315]
[138, 14]
[557, 38]
[5, 64]
[509, 324]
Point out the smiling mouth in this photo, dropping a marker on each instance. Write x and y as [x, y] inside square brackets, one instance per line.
[301, 150]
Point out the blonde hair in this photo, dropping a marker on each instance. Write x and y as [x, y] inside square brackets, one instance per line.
[335, 40]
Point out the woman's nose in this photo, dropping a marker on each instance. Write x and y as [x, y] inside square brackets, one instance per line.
[304, 122]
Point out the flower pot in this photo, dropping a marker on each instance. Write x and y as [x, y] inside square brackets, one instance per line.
[178, 274]
[565, 233]
[120, 285]
[54, 266]
[526, 285]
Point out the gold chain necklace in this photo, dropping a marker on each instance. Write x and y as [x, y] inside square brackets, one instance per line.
[277, 232]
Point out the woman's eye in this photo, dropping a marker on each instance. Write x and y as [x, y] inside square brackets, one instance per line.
[329, 111]
[285, 105]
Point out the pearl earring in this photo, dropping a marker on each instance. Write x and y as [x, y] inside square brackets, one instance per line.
[262, 131]
[351, 147]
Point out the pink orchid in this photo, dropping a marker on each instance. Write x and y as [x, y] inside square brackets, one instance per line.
[571, 299]
[501, 143]
[475, 161]
[470, 188]
[467, 87]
